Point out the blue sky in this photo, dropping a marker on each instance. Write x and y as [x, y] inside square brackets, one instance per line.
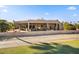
[49, 12]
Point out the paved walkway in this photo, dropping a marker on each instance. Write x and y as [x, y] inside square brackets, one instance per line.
[18, 41]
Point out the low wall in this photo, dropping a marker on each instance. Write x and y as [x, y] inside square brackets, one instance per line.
[38, 33]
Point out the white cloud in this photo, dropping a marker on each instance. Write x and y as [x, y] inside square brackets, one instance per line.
[4, 10]
[2, 6]
[71, 8]
[46, 13]
[75, 15]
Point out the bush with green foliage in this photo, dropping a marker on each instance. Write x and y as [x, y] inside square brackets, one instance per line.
[11, 25]
[69, 26]
[77, 26]
[4, 25]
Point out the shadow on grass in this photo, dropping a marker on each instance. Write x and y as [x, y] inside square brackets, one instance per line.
[4, 38]
[23, 40]
[53, 48]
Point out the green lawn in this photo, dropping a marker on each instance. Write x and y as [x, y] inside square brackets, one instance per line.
[67, 47]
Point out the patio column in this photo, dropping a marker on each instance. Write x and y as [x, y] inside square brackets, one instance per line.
[36, 26]
[28, 26]
[47, 26]
[56, 28]
[60, 26]
[19, 27]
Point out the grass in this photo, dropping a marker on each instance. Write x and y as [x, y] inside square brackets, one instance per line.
[74, 43]
[66, 47]
[18, 50]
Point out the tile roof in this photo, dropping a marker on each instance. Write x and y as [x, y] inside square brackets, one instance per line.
[37, 21]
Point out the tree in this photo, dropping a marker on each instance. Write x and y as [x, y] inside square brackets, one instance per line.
[4, 25]
[11, 26]
[69, 26]
[77, 26]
